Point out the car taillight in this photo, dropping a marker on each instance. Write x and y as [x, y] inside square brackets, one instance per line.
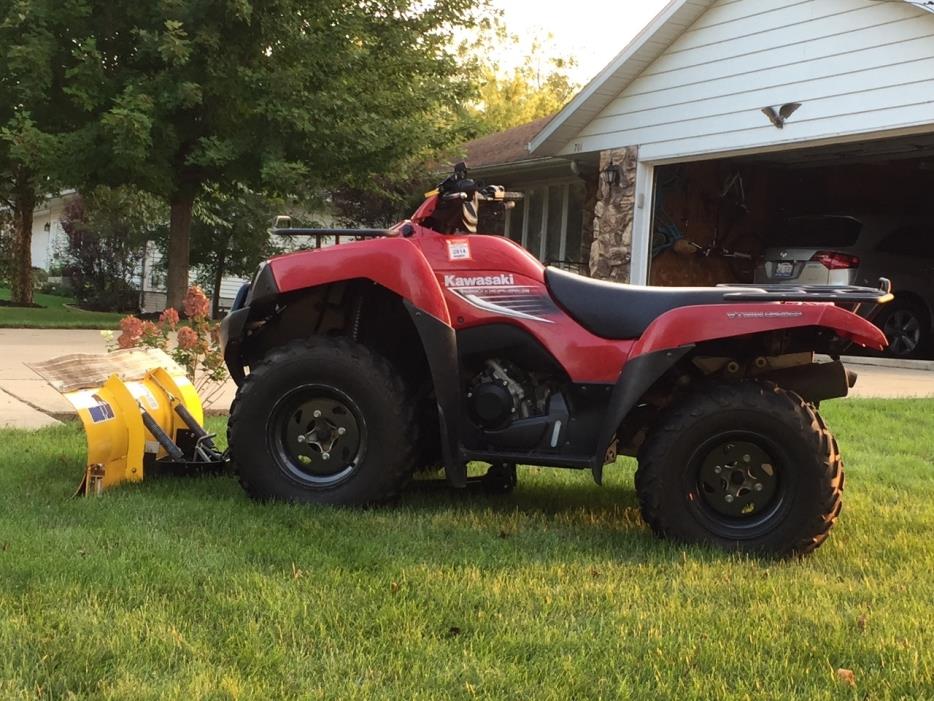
[835, 261]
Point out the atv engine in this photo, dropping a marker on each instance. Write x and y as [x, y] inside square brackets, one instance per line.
[515, 409]
[500, 394]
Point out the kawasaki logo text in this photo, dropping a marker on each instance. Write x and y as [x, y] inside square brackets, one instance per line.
[478, 281]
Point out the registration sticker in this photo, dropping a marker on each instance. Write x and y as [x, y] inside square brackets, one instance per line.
[459, 249]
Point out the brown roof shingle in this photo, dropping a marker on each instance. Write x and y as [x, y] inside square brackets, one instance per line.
[507, 146]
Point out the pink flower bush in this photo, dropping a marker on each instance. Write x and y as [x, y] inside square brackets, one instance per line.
[131, 332]
[169, 318]
[195, 346]
[187, 338]
[196, 304]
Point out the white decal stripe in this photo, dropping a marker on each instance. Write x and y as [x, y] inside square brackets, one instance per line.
[494, 308]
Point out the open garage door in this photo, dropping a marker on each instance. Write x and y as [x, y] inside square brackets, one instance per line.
[843, 214]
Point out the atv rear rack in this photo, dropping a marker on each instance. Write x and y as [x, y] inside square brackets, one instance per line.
[843, 295]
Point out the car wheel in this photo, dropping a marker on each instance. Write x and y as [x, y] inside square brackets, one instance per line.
[907, 326]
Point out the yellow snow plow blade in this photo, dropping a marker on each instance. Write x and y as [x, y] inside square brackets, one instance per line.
[139, 412]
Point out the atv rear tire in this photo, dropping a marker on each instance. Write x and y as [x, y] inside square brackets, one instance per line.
[745, 466]
[323, 420]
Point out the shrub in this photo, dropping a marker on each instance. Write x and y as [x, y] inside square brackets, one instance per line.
[106, 235]
[194, 346]
[39, 278]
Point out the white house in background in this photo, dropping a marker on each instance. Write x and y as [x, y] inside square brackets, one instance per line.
[854, 77]
[48, 237]
[805, 103]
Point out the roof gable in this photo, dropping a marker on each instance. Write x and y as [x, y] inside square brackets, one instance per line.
[646, 48]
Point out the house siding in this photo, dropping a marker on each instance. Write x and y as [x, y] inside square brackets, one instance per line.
[857, 67]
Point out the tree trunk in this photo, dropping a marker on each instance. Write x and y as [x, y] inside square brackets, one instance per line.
[23, 206]
[218, 279]
[176, 279]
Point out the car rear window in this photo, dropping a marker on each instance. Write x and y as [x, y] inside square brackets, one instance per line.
[817, 231]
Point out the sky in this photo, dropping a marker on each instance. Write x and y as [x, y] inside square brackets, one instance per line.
[592, 31]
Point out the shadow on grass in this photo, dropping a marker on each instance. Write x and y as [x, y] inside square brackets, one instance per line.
[553, 517]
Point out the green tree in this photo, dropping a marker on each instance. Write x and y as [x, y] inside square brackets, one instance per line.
[106, 232]
[538, 86]
[280, 95]
[36, 113]
[229, 235]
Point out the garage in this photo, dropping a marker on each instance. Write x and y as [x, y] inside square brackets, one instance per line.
[842, 214]
[767, 141]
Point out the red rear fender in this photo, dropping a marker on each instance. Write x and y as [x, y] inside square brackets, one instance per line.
[395, 263]
[687, 325]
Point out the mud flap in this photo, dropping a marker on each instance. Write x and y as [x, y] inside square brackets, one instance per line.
[440, 344]
[116, 396]
[637, 377]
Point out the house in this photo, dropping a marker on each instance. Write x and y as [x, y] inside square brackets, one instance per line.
[717, 119]
[48, 236]
[549, 221]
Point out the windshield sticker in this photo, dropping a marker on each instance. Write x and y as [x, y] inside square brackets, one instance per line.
[459, 249]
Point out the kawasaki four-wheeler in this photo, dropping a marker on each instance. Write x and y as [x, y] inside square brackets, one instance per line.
[428, 345]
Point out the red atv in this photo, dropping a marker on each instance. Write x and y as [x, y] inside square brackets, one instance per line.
[430, 345]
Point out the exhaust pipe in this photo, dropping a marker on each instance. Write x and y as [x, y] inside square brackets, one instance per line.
[815, 382]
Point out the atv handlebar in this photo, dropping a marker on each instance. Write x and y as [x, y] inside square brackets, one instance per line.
[488, 194]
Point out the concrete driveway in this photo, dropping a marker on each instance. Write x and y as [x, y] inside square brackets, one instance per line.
[26, 401]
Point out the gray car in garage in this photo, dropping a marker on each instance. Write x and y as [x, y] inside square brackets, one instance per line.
[846, 249]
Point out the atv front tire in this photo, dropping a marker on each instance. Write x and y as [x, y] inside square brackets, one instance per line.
[323, 420]
[745, 466]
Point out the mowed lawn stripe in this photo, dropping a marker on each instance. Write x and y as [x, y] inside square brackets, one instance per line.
[182, 588]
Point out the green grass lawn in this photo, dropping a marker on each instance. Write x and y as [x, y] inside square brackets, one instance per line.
[55, 315]
[184, 589]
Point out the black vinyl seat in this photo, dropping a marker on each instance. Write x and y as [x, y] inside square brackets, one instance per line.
[616, 311]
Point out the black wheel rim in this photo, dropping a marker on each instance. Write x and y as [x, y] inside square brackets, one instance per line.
[738, 485]
[903, 330]
[317, 435]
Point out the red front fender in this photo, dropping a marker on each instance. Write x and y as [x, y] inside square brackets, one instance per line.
[395, 263]
[687, 325]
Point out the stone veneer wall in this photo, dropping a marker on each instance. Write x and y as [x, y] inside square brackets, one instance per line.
[611, 250]
[591, 184]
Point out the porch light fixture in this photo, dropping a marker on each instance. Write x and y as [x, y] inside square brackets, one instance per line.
[612, 174]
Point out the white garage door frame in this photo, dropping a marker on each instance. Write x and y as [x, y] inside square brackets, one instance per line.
[643, 215]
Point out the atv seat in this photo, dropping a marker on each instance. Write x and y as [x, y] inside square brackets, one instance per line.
[616, 311]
